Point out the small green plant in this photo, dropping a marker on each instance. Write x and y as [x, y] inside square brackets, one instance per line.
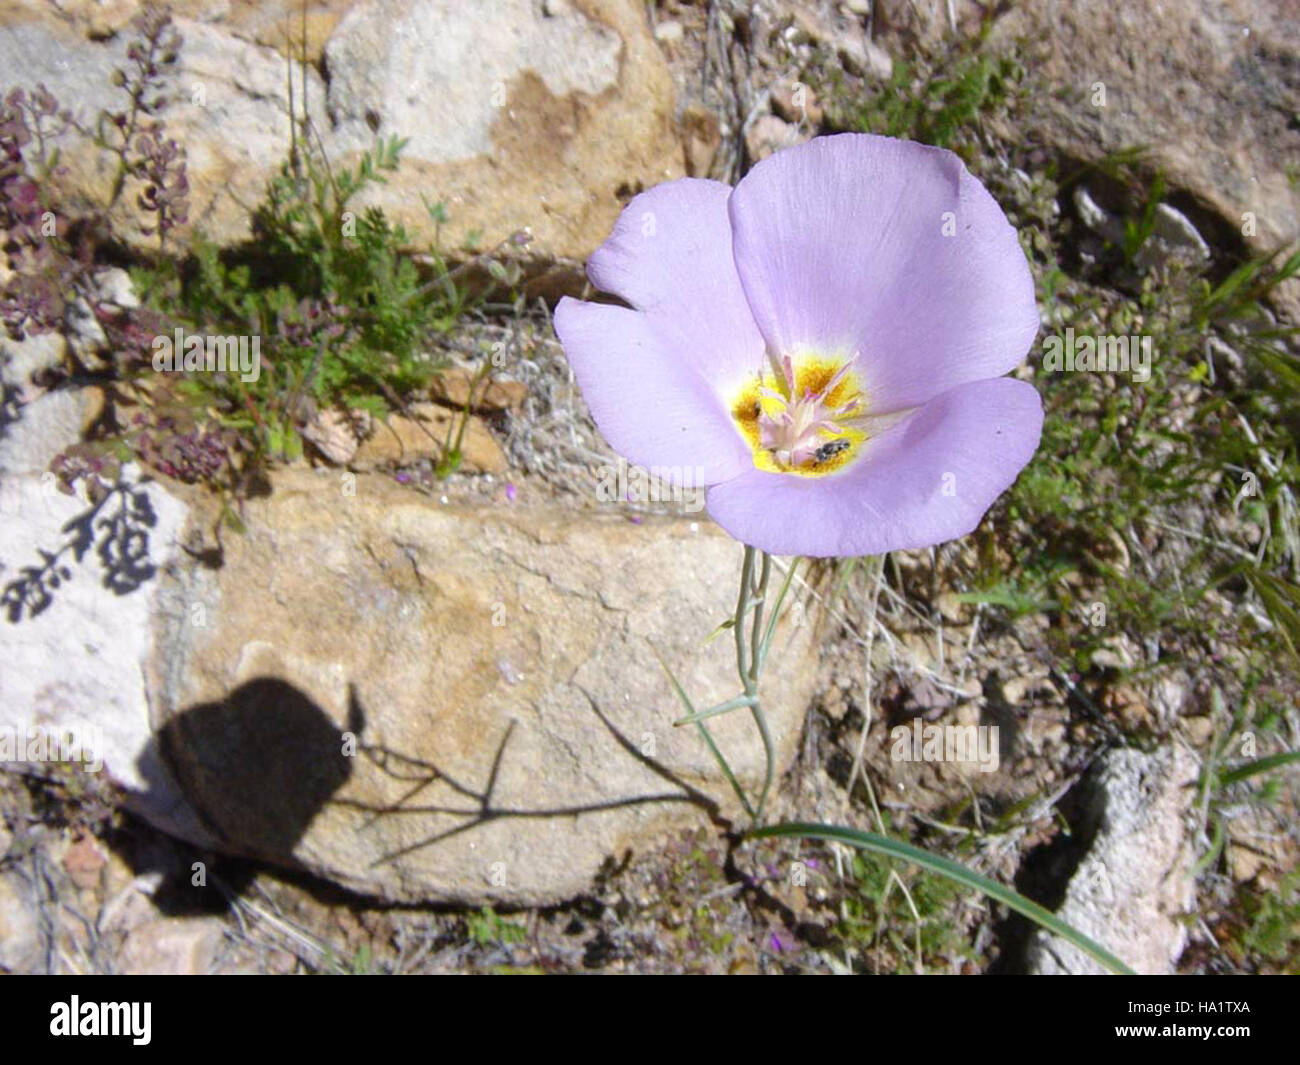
[907, 927]
[1121, 460]
[343, 318]
[344, 312]
[451, 449]
[944, 102]
[1234, 764]
[1137, 231]
[348, 316]
[488, 928]
[1273, 929]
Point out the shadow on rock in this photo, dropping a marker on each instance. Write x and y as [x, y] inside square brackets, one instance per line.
[259, 765]
[476, 806]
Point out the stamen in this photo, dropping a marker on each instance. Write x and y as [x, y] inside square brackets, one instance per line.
[798, 427]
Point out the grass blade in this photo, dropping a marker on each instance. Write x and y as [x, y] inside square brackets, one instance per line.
[1260, 765]
[870, 841]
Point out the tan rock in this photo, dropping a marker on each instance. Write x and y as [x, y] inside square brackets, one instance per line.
[128, 904]
[669, 32]
[865, 58]
[953, 609]
[453, 386]
[93, 401]
[1256, 850]
[515, 117]
[1199, 730]
[701, 138]
[171, 946]
[1285, 299]
[796, 102]
[1027, 691]
[496, 666]
[84, 861]
[20, 939]
[336, 434]
[1127, 704]
[1207, 89]
[227, 108]
[277, 24]
[770, 134]
[930, 21]
[402, 440]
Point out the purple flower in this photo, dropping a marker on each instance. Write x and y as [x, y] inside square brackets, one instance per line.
[822, 345]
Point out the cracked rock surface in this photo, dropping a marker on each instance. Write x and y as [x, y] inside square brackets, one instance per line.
[423, 701]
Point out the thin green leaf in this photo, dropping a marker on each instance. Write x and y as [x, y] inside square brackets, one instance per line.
[718, 756]
[1281, 599]
[1212, 855]
[738, 703]
[1259, 765]
[870, 841]
[766, 642]
[724, 627]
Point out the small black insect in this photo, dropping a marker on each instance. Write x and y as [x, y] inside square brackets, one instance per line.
[829, 450]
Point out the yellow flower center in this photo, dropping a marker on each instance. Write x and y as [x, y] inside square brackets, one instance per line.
[802, 417]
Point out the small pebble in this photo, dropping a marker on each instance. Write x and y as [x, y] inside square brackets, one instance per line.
[669, 32]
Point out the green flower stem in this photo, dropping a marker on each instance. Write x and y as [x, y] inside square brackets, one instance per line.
[760, 603]
[742, 606]
[748, 659]
[752, 646]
